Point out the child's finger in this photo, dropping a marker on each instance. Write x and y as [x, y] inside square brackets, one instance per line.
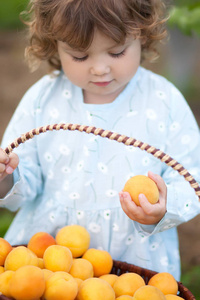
[12, 164]
[159, 182]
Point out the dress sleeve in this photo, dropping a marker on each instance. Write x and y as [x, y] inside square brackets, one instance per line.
[182, 144]
[27, 177]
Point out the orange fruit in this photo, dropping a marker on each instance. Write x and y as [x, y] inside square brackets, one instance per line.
[141, 184]
[127, 284]
[27, 283]
[39, 242]
[61, 286]
[74, 237]
[81, 268]
[148, 292]
[57, 258]
[165, 282]
[5, 278]
[100, 259]
[95, 288]
[110, 278]
[5, 248]
[173, 297]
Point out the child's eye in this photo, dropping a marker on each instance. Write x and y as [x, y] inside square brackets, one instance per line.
[79, 58]
[116, 55]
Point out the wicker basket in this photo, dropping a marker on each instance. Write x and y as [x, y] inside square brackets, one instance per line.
[118, 266]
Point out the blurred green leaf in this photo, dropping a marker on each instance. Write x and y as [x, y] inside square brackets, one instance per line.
[9, 13]
[186, 18]
[6, 218]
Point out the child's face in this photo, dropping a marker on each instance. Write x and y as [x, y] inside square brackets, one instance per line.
[104, 69]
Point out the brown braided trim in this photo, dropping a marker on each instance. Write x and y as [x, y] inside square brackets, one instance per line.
[112, 136]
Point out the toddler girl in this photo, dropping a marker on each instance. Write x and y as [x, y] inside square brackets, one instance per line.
[95, 48]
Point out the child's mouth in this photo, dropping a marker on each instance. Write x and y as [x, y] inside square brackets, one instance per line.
[103, 83]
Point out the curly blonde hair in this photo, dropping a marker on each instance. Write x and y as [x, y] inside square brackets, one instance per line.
[75, 21]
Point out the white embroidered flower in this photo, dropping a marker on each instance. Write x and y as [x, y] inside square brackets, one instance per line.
[20, 235]
[145, 161]
[67, 94]
[187, 205]
[86, 151]
[102, 167]
[93, 138]
[54, 113]
[107, 214]
[130, 175]
[37, 111]
[74, 196]
[64, 149]
[51, 217]
[130, 148]
[111, 193]
[66, 170]
[129, 239]
[66, 185]
[49, 203]
[50, 174]
[186, 139]
[89, 116]
[161, 126]
[80, 165]
[173, 174]
[89, 182]
[174, 126]
[153, 246]
[132, 113]
[80, 214]
[95, 228]
[151, 114]
[160, 94]
[100, 248]
[115, 227]
[48, 157]
[164, 261]
[169, 226]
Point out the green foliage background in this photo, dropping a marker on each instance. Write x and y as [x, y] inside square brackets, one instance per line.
[184, 15]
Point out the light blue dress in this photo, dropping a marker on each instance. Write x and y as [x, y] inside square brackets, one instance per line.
[69, 177]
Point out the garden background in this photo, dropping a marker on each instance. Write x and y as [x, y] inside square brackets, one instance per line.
[179, 62]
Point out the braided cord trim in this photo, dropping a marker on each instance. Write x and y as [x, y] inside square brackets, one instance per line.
[112, 136]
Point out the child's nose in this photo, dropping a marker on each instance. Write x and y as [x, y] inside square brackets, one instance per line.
[100, 69]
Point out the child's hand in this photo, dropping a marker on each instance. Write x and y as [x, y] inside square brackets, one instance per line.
[147, 213]
[7, 163]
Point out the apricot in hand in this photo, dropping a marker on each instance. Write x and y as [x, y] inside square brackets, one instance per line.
[141, 184]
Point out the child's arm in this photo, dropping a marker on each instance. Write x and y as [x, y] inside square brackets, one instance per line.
[7, 165]
[147, 213]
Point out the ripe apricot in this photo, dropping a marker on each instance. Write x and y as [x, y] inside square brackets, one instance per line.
[110, 278]
[5, 248]
[124, 297]
[62, 286]
[4, 283]
[81, 268]
[100, 259]
[141, 184]
[75, 237]
[127, 284]
[95, 288]
[79, 281]
[173, 297]
[148, 293]
[39, 242]
[57, 258]
[27, 283]
[1, 269]
[165, 282]
[18, 257]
